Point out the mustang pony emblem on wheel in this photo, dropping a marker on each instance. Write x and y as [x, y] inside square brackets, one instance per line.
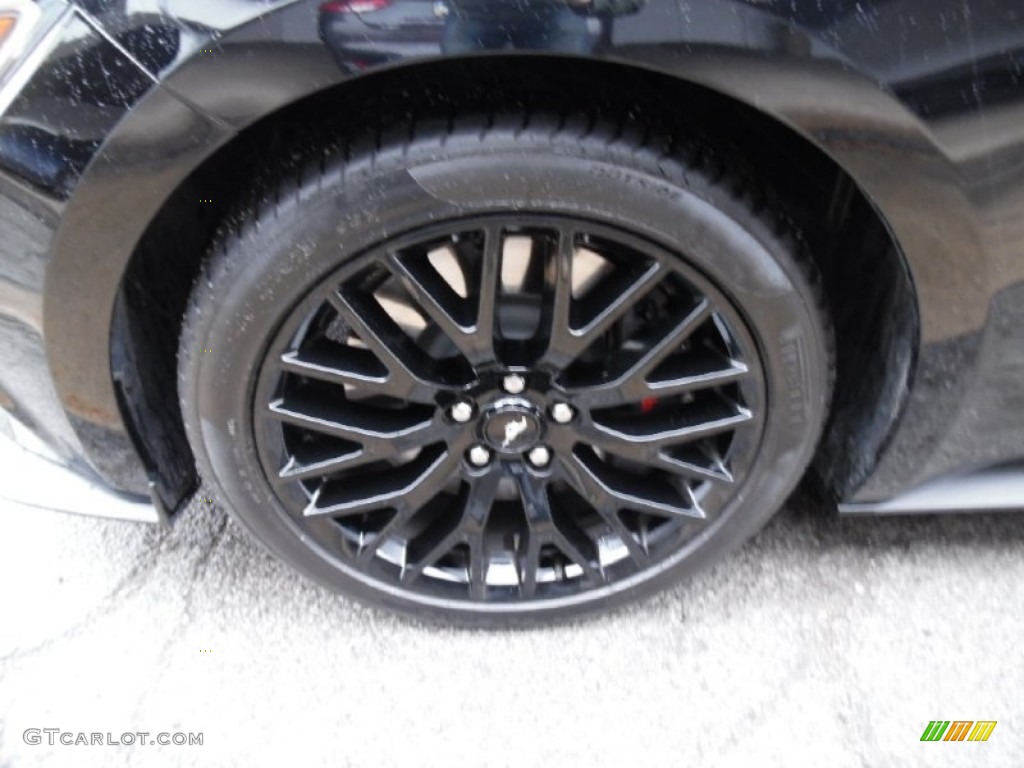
[513, 430]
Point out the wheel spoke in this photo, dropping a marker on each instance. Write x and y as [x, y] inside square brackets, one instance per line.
[647, 444]
[633, 288]
[691, 378]
[717, 472]
[469, 528]
[354, 373]
[350, 422]
[568, 341]
[561, 344]
[652, 448]
[294, 470]
[587, 486]
[412, 485]
[631, 492]
[370, 545]
[668, 343]
[444, 307]
[529, 564]
[487, 278]
[382, 336]
[543, 529]
[632, 385]
[686, 384]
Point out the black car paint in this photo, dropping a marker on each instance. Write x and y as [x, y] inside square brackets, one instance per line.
[920, 102]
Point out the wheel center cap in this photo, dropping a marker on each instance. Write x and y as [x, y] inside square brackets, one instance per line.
[512, 427]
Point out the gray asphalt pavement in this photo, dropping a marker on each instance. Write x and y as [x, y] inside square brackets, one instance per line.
[824, 642]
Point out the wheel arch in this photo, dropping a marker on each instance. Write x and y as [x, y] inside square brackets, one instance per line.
[122, 233]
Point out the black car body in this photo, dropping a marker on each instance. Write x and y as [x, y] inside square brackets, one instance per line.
[891, 130]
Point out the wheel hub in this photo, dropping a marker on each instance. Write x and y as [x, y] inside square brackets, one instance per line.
[512, 426]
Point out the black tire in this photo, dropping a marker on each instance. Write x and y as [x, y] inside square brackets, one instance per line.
[678, 197]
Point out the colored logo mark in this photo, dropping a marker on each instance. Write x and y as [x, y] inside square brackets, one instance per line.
[958, 730]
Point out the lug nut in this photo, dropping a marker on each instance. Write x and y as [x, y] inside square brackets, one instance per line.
[461, 412]
[514, 383]
[479, 456]
[562, 413]
[539, 456]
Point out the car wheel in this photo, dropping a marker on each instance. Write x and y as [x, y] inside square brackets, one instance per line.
[505, 369]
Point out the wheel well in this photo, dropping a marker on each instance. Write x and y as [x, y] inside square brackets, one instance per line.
[867, 282]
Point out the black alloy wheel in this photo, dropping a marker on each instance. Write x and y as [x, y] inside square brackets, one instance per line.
[538, 375]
